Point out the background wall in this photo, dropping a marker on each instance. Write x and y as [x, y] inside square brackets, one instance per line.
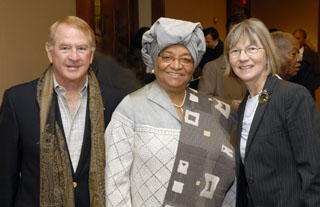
[145, 13]
[203, 11]
[24, 26]
[23, 33]
[287, 15]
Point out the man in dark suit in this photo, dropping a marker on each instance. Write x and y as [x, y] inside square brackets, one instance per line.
[52, 129]
[309, 74]
[214, 49]
[214, 46]
[111, 74]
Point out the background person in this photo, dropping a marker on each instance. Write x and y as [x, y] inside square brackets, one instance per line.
[214, 46]
[167, 144]
[111, 74]
[144, 76]
[51, 129]
[278, 133]
[214, 49]
[309, 74]
[288, 50]
[214, 82]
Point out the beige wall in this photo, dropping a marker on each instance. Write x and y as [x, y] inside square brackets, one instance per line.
[145, 13]
[286, 15]
[23, 33]
[24, 26]
[203, 11]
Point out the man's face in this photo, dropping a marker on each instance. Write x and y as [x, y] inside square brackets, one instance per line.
[71, 54]
[290, 60]
[210, 43]
[299, 36]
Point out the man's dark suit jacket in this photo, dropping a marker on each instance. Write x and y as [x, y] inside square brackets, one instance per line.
[309, 70]
[20, 147]
[281, 164]
[212, 54]
[111, 74]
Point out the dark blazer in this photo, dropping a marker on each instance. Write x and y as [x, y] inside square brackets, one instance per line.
[212, 54]
[20, 148]
[309, 70]
[281, 165]
[111, 74]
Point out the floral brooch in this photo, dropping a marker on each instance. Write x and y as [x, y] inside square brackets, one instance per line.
[263, 96]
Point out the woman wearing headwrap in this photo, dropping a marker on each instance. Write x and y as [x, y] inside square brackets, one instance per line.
[167, 145]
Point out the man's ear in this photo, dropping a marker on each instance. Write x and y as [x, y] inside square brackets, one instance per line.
[92, 54]
[304, 41]
[48, 49]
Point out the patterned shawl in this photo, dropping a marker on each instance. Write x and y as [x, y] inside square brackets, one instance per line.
[56, 181]
[204, 167]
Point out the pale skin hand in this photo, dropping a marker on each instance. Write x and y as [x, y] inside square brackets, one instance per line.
[235, 104]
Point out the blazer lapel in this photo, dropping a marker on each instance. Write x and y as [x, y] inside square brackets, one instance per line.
[269, 85]
[86, 144]
[239, 129]
[59, 121]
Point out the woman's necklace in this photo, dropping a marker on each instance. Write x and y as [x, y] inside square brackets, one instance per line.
[182, 104]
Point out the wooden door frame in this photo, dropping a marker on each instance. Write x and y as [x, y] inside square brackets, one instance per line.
[157, 10]
[230, 8]
[319, 29]
[85, 10]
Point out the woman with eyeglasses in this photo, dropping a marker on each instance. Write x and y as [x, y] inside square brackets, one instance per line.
[167, 145]
[278, 134]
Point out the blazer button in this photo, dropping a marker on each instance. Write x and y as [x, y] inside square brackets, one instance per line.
[75, 184]
[250, 180]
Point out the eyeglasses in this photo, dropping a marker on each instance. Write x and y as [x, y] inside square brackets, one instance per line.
[170, 59]
[251, 50]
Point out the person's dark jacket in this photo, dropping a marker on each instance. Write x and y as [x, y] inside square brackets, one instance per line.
[309, 70]
[111, 74]
[20, 146]
[212, 54]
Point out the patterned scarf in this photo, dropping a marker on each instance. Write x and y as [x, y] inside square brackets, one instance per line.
[204, 165]
[56, 182]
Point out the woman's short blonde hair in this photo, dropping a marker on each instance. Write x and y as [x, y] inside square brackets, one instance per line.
[74, 22]
[255, 31]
